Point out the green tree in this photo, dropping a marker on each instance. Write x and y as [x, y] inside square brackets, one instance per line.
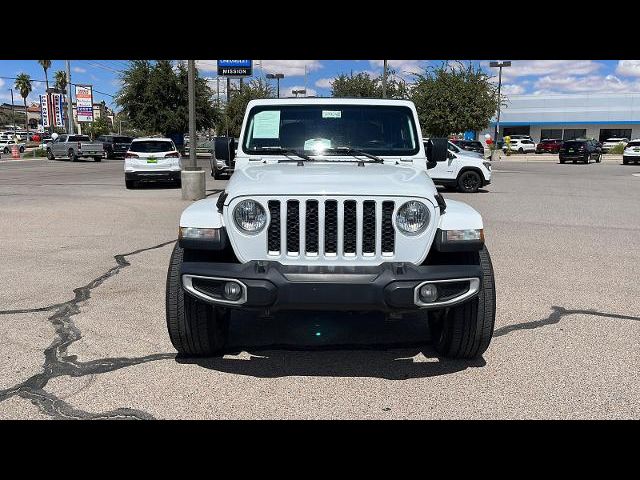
[60, 81]
[46, 65]
[230, 122]
[154, 98]
[363, 85]
[100, 126]
[453, 98]
[23, 85]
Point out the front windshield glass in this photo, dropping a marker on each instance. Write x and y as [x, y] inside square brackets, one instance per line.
[320, 129]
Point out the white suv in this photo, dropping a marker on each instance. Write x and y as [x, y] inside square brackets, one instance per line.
[631, 152]
[331, 208]
[521, 145]
[609, 143]
[151, 159]
[467, 173]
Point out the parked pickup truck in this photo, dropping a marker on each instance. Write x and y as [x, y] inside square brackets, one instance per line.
[331, 208]
[74, 147]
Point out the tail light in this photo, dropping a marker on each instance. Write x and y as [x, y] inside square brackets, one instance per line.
[79, 144]
[131, 155]
[172, 155]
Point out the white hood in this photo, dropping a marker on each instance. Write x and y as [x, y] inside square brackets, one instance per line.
[330, 178]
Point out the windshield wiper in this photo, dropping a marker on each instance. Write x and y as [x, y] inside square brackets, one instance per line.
[354, 152]
[286, 151]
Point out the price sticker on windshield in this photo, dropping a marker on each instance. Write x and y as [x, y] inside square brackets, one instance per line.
[331, 113]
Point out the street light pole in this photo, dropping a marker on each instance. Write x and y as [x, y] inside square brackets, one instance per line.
[192, 177]
[69, 104]
[384, 80]
[500, 65]
[13, 116]
[277, 76]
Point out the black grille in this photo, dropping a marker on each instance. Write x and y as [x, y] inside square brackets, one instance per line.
[311, 227]
[274, 226]
[331, 226]
[369, 227]
[350, 226]
[388, 233]
[293, 226]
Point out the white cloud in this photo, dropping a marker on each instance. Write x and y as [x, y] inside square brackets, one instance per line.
[630, 68]
[586, 84]
[79, 70]
[290, 68]
[288, 92]
[324, 82]
[512, 89]
[523, 68]
[402, 67]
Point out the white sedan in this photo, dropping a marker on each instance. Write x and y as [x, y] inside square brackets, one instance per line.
[151, 159]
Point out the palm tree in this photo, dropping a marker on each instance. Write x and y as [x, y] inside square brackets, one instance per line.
[23, 85]
[61, 81]
[46, 65]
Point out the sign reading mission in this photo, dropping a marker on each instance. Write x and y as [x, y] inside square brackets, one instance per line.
[235, 68]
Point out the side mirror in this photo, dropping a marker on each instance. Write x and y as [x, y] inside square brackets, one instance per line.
[437, 151]
[225, 149]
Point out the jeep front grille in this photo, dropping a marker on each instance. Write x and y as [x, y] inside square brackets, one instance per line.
[331, 228]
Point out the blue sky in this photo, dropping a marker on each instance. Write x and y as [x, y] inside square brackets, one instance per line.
[524, 77]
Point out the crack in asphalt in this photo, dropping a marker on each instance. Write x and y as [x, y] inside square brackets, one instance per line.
[57, 363]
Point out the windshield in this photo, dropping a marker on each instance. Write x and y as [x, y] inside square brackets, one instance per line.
[122, 139]
[633, 144]
[79, 138]
[315, 129]
[151, 146]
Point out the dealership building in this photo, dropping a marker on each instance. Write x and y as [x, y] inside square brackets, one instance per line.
[568, 116]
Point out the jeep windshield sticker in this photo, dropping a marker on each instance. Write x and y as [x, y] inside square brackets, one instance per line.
[331, 114]
[317, 144]
[266, 124]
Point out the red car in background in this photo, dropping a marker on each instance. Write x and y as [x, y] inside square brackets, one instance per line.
[549, 145]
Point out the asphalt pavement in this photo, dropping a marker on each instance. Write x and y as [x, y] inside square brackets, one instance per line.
[82, 330]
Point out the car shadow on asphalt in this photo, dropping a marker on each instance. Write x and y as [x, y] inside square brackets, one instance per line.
[330, 344]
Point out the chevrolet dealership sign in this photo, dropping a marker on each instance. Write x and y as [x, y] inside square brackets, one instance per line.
[235, 68]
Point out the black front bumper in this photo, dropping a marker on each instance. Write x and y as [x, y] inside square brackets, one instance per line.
[388, 287]
[152, 175]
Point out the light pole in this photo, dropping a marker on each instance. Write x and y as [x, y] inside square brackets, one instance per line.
[277, 76]
[302, 91]
[384, 80]
[13, 117]
[192, 177]
[499, 65]
[69, 103]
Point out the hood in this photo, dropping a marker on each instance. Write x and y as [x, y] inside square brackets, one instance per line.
[330, 178]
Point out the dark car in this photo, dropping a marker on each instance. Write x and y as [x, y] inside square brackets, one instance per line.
[549, 145]
[580, 149]
[115, 145]
[470, 145]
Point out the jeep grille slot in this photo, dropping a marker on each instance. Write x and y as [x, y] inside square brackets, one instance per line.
[331, 227]
[388, 232]
[274, 228]
[293, 227]
[311, 228]
[350, 228]
[369, 228]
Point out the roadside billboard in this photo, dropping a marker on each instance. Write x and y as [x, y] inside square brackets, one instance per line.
[84, 103]
[57, 110]
[44, 111]
[235, 68]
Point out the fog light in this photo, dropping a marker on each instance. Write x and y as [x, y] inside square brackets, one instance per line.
[232, 291]
[428, 293]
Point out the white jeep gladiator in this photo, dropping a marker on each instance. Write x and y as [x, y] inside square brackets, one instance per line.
[330, 208]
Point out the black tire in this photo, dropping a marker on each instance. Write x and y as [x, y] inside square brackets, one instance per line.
[465, 331]
[562, 161]
[130, 184]
[469, 181]
[520, 150]
[218, 175]
[97, 159]
[5, 151]
[50, 154]
[72, 155]
[195, 327]
[109, 155]
[625, 161]
[21, 149]
[587, 158]
[599, 158]
[575, 161]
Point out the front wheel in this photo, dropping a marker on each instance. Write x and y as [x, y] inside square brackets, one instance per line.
[625, 161]
[97, 159]
[5, 151]
[21, 149]
[465, 331]
[599, 158]
[195, 328]
[469, 182]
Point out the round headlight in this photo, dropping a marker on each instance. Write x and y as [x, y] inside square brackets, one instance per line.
[412, 217]
[250, 216]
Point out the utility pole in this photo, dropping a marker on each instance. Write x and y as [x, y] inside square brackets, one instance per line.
[13, 117]
[218, 89]
[500, 65]
[384, 80]
[228, 89]
[69, 103]
[192, 176]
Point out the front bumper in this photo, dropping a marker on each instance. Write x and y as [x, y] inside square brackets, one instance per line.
[389, 287]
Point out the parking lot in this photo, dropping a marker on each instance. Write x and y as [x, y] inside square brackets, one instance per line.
[82, 322]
